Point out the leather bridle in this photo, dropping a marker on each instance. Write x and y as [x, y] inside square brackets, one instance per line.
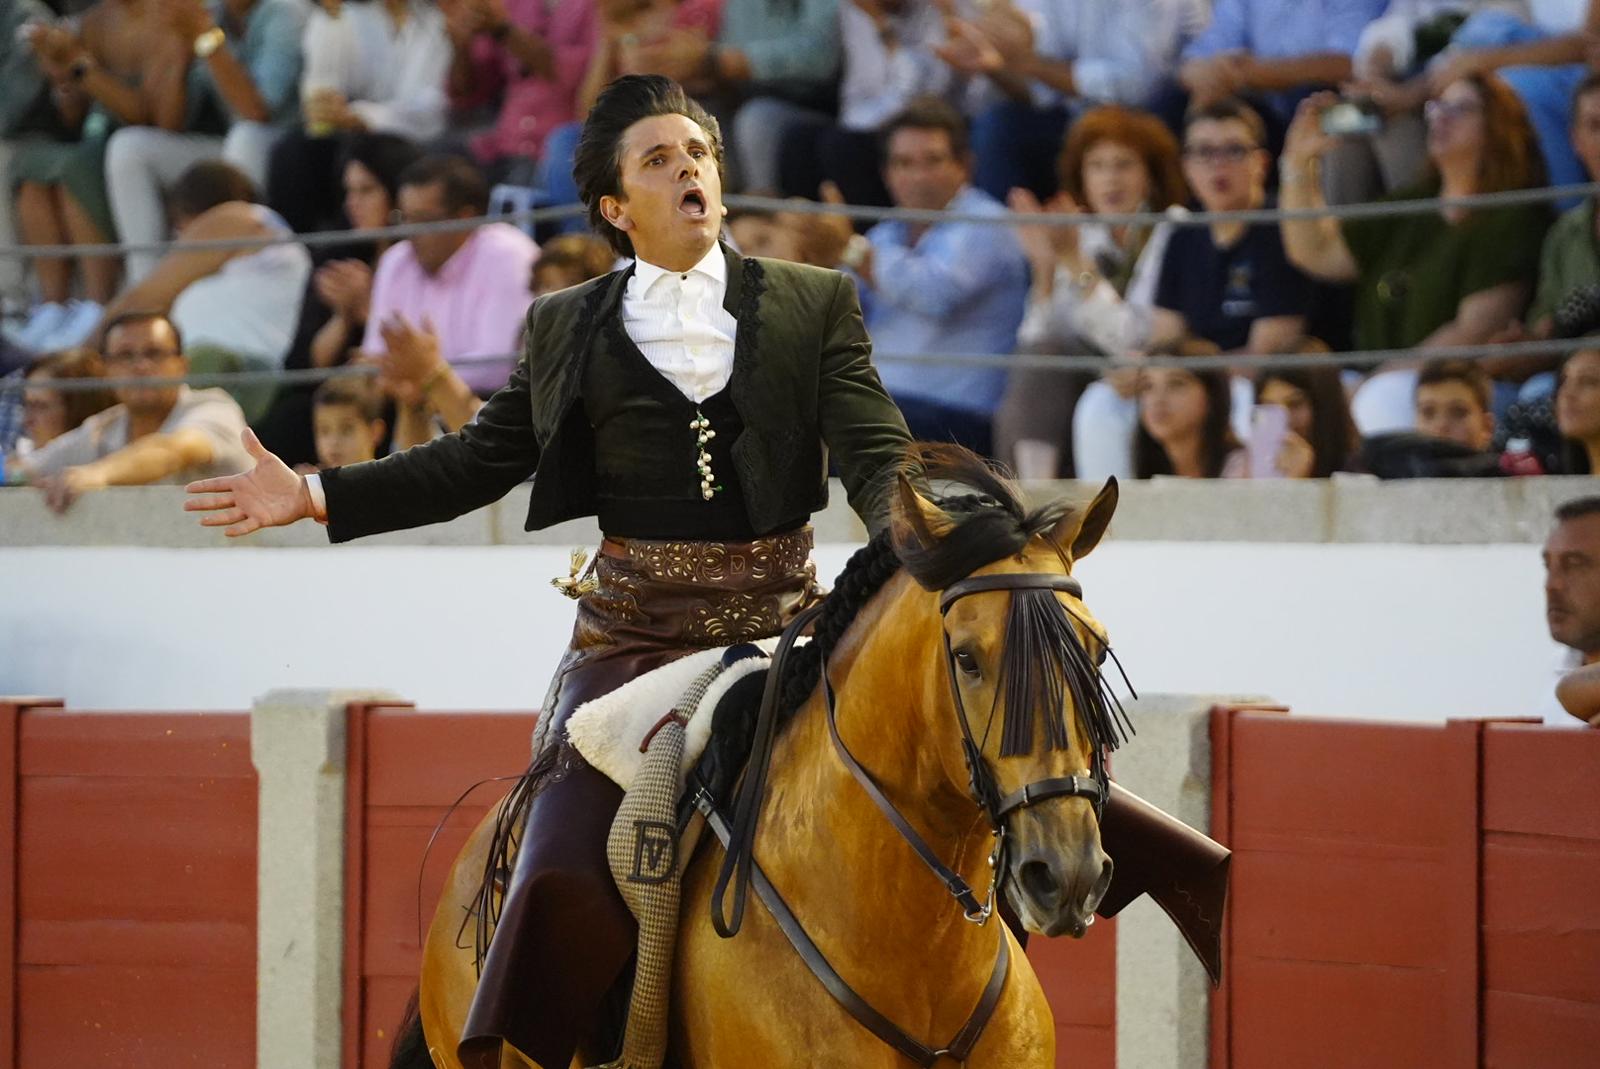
[739, 865]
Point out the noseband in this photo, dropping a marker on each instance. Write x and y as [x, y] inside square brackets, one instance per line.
[739, 840]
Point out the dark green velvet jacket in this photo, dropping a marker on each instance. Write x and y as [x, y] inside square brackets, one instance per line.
[803, 383]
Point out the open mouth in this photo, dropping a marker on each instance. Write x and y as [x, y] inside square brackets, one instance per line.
[693, 204]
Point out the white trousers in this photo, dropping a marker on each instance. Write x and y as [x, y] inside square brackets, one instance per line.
[143, 162]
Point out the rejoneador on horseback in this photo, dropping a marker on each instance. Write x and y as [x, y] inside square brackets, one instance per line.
[937, 745]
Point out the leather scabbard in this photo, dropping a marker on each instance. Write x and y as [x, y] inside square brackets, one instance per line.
[1183, 870]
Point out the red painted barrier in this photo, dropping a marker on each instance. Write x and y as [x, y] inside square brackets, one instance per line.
[128, 897]
[1381, 916]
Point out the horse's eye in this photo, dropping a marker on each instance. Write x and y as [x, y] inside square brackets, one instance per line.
[1101, 654]
[967, 663]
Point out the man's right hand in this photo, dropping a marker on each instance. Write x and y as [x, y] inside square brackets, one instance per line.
[268, 495]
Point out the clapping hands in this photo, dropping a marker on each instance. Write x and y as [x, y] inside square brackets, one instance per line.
[345, 286]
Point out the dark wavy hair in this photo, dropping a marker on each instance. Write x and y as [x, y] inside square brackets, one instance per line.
[1216, 432]
[1333, 432]
[385, 156]
[597, 164]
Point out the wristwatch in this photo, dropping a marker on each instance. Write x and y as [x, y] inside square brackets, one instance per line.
[209, 42]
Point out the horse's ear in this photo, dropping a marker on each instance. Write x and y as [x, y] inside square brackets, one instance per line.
[916, 519]
[1079, 531]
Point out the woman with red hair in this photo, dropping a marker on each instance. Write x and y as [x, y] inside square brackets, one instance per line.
[1093, 284]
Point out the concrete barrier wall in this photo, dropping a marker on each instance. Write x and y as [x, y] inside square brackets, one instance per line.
[1343, 598]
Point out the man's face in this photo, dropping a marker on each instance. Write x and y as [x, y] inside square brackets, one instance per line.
[145, 347]
[426, 204]
[342, 436]
[671, 203]
[1572, 584]
[922, 170]
[1225, 167]
[1451, 410]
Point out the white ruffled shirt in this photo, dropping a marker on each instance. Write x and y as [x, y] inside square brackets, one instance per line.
[678, 322]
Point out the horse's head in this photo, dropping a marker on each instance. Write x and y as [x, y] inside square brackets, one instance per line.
[1023, 700]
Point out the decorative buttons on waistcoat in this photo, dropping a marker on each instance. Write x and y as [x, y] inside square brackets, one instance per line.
[703, 435]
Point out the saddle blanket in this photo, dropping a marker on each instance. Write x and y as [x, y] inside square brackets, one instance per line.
[608, 731]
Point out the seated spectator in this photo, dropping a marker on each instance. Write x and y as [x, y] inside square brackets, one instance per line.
[375, 65]
[1540, 56]
[755, 234]
[1322, 437]
[1094, 286]
[119, 66]
[346, 415]
[1273, 52]
[471, 285]
[236, 308]
[26, 113]
[890, 58]
[1450, 277]
[1454, 402]
[239, 95]
[1227, 287]
[941, 288]
[47, 412]
[522, 61]
[1037, 63]
[155, 434]
[1184, 425]
[335, 302]
[1578, 412]
[1572, 611]
[571, 260]
[1570, 259]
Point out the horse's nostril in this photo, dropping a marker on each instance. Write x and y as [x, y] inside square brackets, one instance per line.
[1038, 882]
[1101, 885]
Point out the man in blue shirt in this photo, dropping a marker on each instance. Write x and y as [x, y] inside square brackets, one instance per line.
[942, 288]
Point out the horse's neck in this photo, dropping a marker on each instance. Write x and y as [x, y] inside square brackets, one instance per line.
[822, 839]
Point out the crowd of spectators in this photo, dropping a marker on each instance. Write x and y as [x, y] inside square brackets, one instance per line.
[143, 121]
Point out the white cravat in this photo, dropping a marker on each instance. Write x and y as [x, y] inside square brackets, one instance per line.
[678, 322]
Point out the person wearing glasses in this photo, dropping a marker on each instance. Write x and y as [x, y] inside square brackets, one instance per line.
[1445, 277]
[154, 434]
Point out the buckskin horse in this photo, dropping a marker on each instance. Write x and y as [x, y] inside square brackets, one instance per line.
[894, 811]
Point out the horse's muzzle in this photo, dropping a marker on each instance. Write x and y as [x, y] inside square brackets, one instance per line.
[1056, 895]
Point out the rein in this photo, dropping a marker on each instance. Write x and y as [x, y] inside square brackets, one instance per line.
[739, 866]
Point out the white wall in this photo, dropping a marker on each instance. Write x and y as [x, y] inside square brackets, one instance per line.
[1394, 631]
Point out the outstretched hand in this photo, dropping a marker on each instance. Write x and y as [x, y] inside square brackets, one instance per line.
[268, 495]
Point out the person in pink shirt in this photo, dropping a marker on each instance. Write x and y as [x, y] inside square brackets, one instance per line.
[524, 58]
[469, 286]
